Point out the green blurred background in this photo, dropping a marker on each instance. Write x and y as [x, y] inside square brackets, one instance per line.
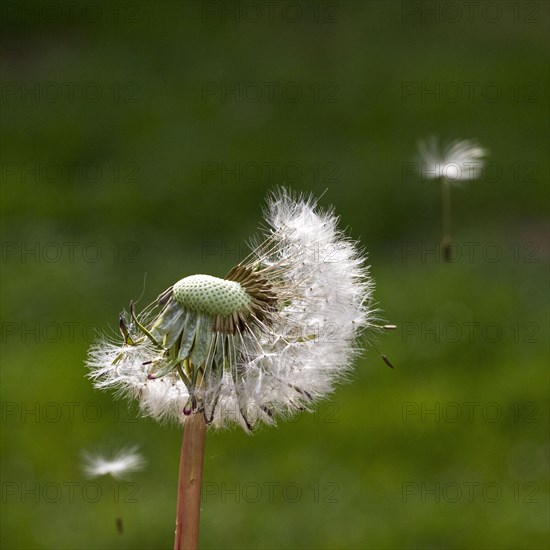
[121, 125]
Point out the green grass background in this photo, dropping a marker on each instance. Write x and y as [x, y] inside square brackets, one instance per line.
[353, 459]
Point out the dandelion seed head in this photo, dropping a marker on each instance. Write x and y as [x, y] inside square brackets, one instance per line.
[268, 340]
[210, 295]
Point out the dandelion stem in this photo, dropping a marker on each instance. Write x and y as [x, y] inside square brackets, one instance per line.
[446, 207]
[189, 485]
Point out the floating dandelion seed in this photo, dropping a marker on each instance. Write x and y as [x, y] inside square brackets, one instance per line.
[122, 462]
[269, 339]
[455, 163]
[460, 160]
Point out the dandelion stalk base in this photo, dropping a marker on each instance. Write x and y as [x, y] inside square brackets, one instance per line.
[189, 485]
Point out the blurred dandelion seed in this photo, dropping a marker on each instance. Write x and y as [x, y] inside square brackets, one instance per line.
[123, 462]
[452, 164]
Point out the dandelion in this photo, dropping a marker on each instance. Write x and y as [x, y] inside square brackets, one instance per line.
[266, 341]
[455, 163]
[122, 462]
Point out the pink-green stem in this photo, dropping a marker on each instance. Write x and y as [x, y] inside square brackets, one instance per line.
[189, 484]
